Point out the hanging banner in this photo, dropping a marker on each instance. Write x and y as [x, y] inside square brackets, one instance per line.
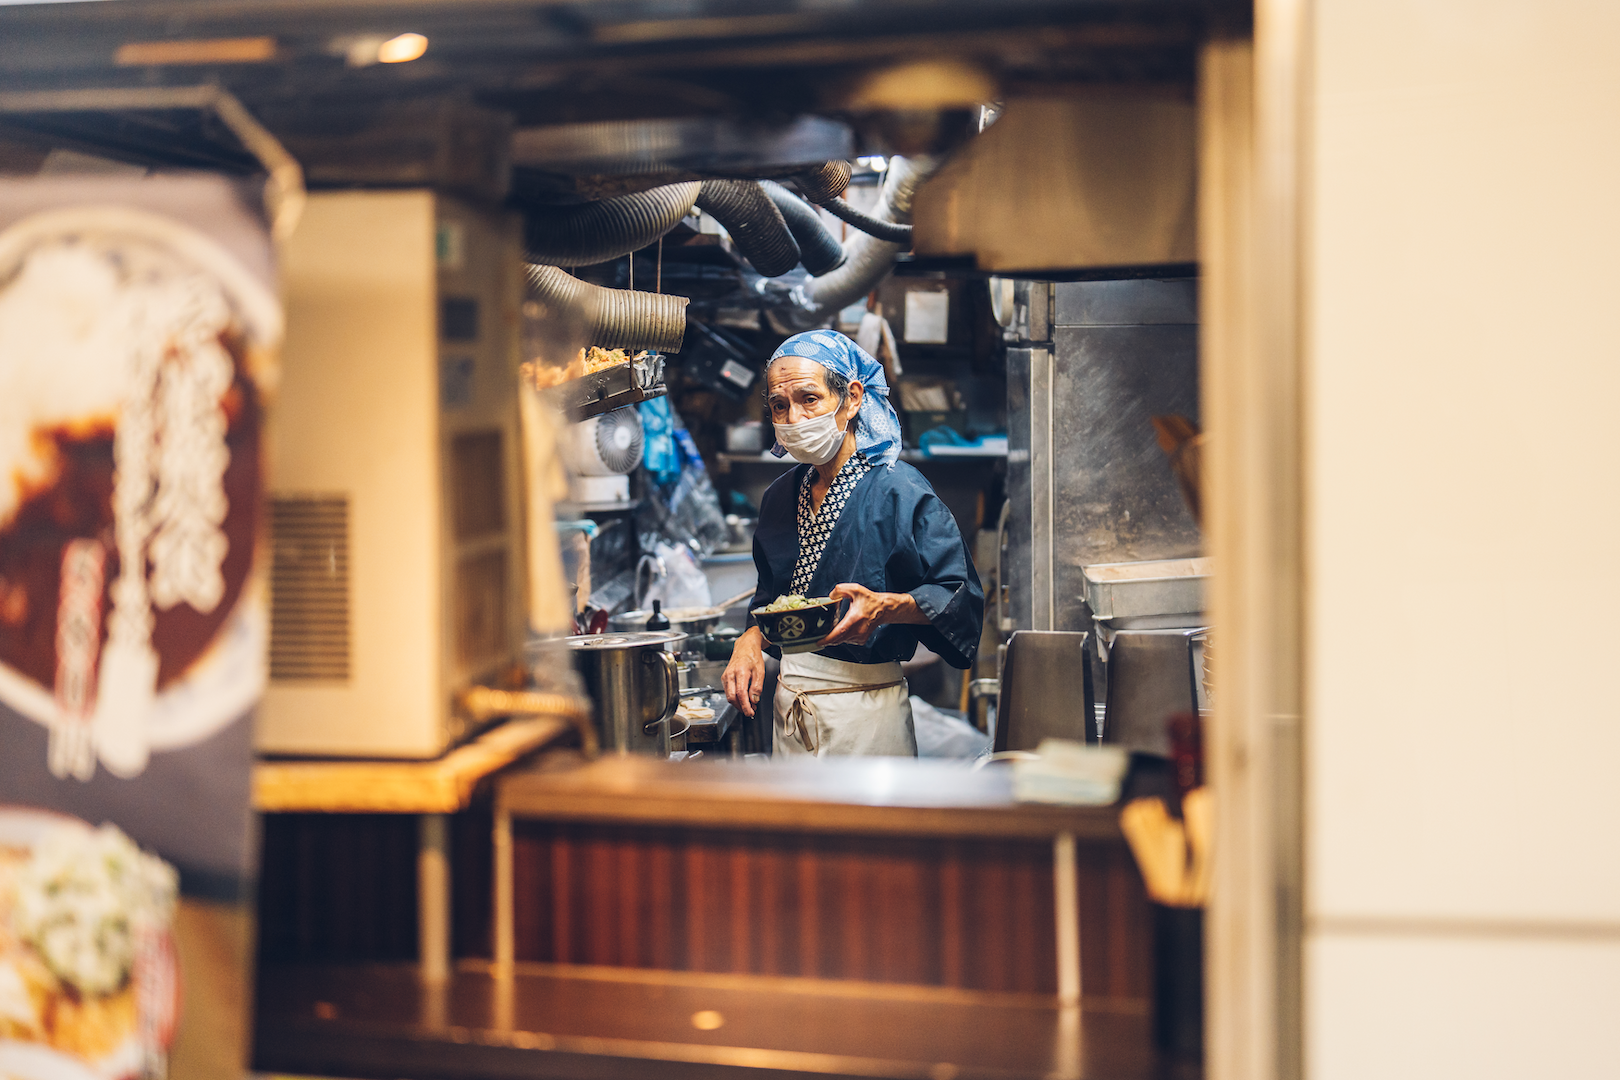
[138, 331]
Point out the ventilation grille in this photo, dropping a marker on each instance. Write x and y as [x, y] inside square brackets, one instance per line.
[480, 484]
[481, 615]
[309, 588]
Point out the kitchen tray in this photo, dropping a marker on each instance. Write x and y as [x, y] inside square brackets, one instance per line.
[1139, 589]
[611, 388]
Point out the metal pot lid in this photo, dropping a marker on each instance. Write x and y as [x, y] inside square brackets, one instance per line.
[623, 641]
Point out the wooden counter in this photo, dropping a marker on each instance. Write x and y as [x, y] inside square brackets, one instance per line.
[853, 796]
[896, 869]
[861, 917]
[384, 1022]
[430, 789]
[440, 786]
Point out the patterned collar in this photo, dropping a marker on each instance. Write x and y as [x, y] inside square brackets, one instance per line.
[815, 527]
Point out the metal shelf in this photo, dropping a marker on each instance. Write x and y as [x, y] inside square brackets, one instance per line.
[611, 388]
[588, 508]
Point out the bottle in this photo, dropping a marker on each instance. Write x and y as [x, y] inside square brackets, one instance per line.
[658, 620]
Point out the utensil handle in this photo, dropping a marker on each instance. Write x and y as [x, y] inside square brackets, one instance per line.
[672, 688]
[739, 598]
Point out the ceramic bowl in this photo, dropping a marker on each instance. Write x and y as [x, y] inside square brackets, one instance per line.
[800, 629]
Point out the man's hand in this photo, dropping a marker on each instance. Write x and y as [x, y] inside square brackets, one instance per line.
[744, 679]
[869, 610]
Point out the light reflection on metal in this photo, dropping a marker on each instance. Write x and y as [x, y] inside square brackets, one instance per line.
[402, 49]
[244, 50]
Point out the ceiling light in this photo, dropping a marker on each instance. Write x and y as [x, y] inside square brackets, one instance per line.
[400, 49]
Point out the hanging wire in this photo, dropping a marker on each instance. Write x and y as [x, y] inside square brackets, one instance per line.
[658, 273]
[632, 271]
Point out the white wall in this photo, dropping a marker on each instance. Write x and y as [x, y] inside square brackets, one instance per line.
[1463, 536]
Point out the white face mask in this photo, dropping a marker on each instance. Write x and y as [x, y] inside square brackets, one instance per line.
[814, 441]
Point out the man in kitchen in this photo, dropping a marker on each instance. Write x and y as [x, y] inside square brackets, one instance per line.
[852, 522]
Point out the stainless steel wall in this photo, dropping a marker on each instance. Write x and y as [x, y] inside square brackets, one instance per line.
[1088, 365]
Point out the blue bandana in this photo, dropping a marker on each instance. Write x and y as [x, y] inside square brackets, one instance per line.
[878, 433]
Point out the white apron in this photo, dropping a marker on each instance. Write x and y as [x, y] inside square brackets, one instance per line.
[831, 707]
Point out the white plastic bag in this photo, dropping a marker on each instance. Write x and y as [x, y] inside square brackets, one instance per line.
[942, 735]
[678, 581]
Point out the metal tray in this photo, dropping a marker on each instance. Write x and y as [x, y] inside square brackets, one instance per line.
[611, 388]
[1138, 589]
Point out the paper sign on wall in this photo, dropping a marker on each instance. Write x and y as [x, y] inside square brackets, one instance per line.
[928, 317]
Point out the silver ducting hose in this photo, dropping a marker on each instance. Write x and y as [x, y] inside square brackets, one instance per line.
[826, 181]
[594, 232]
[867, 259]
[612, 318]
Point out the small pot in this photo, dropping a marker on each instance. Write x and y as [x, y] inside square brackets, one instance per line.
[720, 644]
[740, 533]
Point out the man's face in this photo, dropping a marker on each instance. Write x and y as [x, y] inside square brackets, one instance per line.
[796, 390]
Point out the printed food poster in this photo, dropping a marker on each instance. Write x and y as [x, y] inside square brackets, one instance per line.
[138, 331]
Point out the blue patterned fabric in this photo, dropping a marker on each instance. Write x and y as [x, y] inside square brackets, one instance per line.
[815, 526]
[878, 436]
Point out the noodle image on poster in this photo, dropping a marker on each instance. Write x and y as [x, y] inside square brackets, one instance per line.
[133, 357]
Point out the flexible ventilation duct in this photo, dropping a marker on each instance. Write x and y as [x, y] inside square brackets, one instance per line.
[871, 226]
[868, 259]
[819, 250]
[826, 181]
[613, 318]
[595, 232]
[825, 184]
[754, 222]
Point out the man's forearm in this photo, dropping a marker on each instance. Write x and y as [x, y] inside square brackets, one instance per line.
[902, 608]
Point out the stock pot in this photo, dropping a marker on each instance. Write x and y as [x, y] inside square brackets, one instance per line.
[634, 682]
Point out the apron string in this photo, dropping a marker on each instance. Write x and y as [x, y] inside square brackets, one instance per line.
[794, 721]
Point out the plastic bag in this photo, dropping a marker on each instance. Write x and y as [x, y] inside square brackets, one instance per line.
[679, 504]
[942, 734]
[677, 580]
[659, 455]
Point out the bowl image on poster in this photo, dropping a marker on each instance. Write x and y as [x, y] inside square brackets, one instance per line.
[89, 981]
[136, 354]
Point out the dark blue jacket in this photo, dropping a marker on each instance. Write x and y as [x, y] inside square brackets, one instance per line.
[894, 535]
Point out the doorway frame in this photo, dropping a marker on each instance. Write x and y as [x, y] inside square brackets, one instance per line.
[1253, 131]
